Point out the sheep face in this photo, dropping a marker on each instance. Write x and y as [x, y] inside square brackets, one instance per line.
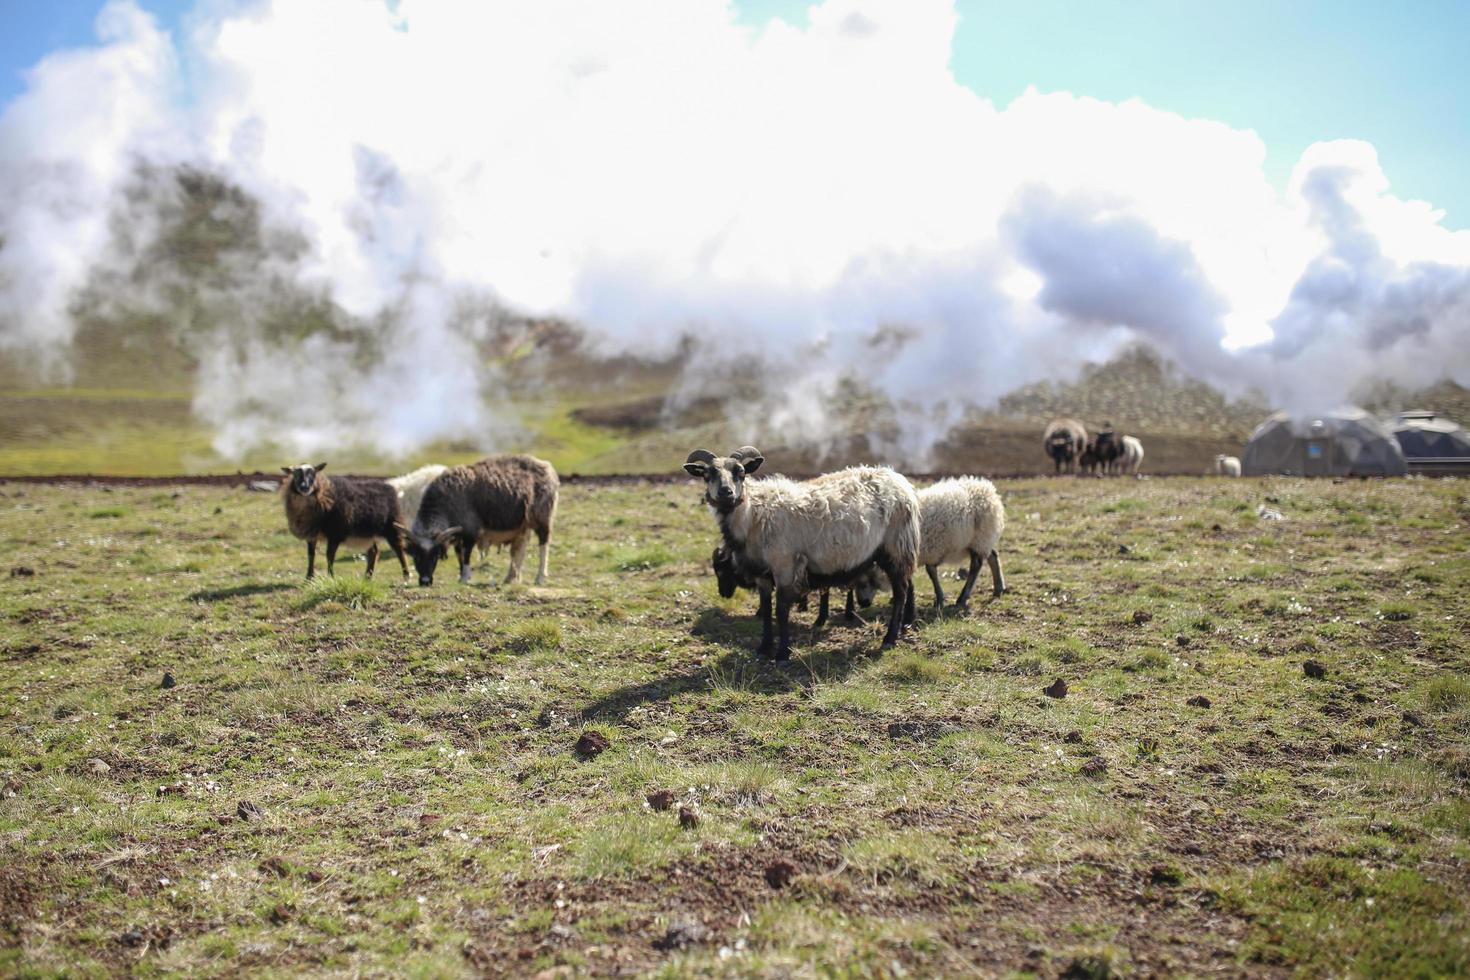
[303, 477]
[428, 550]
[724, 476]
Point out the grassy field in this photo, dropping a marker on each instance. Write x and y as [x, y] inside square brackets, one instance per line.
[358, 777]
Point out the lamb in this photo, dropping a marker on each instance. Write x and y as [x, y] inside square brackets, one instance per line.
[499, 500]
[1132, 456]
[1227, 465]
[733, 571]
[805, 535]
[1063, 441]
[355, 512]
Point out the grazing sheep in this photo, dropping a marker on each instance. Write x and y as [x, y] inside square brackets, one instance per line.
[1064, 440]
[355, 512]
[1227, 465]
[1132, 456]
[499, 500]
[818, 533]
[410, 488]
[960, 519]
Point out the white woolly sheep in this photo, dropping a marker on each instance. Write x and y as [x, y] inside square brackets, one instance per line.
[1132, 456]
[1227, 465]
[961, 518]
[814, 534]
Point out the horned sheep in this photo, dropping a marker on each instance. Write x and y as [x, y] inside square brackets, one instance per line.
[813, 534]
[1227, 465]
[499, 500]
[357, 513]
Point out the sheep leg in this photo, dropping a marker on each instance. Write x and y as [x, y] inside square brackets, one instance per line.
[821, 612]
[311, 558]
[910, 610]
[372, 559]
[332, 557]
[801, 604]
[850, 613]
[397, 545]
[895, 615]
[783, 623]
[517, 556]
[464, 551]
[543, 538]
[767, 640]
[963, 602]
[933, 571]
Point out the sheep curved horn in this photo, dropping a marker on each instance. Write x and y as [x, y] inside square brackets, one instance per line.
[698, 463]
[749, 457]
[447, 535]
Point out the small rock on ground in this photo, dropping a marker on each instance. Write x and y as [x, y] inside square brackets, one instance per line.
[168, 681]
[591, 744]
[1095, 766]
[1057, 689]
[780, 873]
[688, 817]
[248, 811]
[1141, 616]
[683, 932]
[661, 799]
[1199, 701]
[1314, 670]
[97, 767]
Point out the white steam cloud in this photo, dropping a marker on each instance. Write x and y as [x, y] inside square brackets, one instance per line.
[654, 170]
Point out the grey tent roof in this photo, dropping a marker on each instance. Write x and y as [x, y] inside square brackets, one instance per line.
[1347, 442]
[1424, 434]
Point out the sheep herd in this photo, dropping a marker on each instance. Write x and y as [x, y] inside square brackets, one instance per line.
[859, 529]
[1068, 447]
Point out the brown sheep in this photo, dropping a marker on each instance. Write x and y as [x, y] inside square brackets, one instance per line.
[355, 512]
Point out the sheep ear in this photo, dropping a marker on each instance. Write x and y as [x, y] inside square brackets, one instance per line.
[698, 462]
[320, 467]
[750, 457]
[447, 535]
[286, 470]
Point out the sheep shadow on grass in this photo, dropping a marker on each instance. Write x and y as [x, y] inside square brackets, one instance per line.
[238, 591]
[739, 667]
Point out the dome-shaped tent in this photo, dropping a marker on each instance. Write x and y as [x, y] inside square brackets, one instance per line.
[1426, 434]
[1348, 442]
[1431, 443]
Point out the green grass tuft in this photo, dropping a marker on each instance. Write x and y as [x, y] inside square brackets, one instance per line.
[349, 591]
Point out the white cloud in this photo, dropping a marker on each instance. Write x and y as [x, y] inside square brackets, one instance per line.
[653, 167]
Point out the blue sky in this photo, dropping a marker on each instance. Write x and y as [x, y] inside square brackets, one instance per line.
[1392, 73]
